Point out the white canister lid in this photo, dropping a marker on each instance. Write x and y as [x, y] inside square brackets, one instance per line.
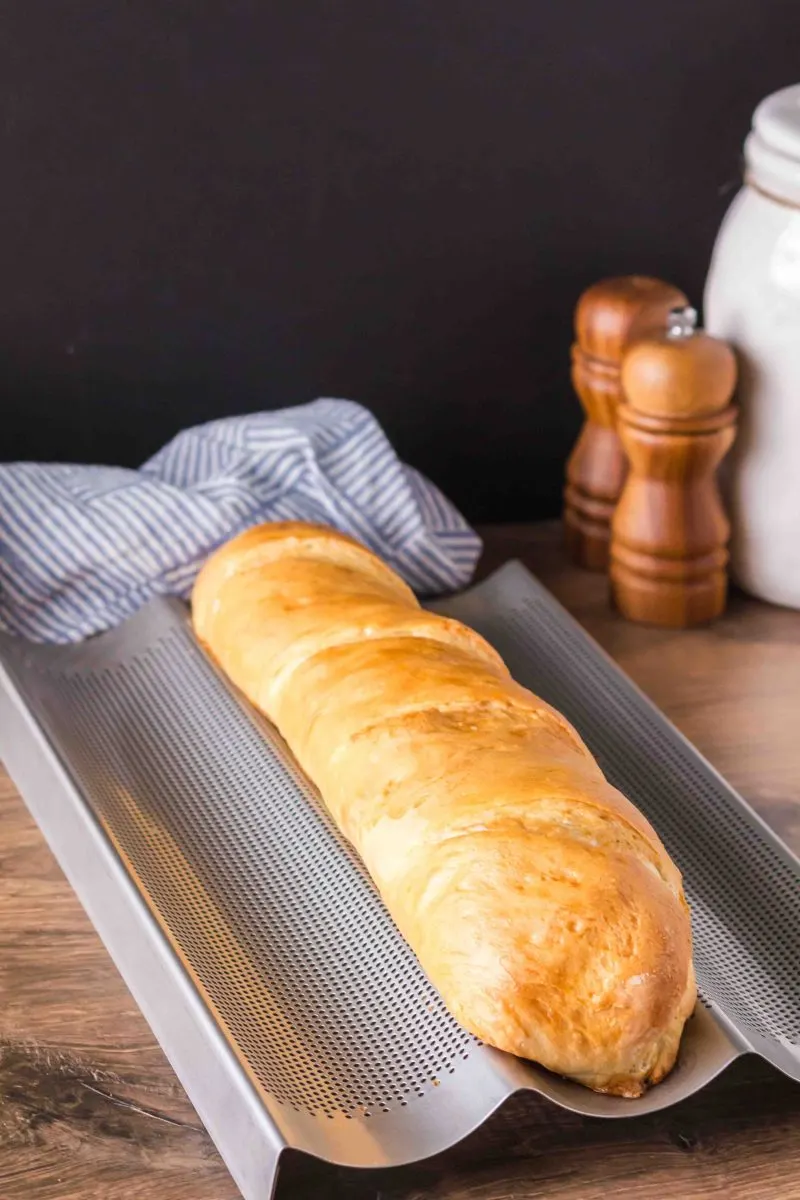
[772, 150]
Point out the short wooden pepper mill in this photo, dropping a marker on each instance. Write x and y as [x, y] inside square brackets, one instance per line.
[609, 317]
[669, 531]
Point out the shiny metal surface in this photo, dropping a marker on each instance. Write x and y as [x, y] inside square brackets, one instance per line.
[259, 951]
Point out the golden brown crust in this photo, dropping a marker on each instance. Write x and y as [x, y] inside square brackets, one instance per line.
[538, 899]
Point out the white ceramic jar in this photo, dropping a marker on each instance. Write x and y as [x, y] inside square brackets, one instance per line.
[752, 299]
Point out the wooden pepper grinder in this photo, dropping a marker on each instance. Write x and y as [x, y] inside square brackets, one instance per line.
[609, 317]
[669, 531]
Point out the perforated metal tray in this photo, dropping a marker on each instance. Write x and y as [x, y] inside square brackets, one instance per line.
[258, 950]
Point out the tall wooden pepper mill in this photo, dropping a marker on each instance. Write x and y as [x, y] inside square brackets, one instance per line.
[609, 317]
[669, 531]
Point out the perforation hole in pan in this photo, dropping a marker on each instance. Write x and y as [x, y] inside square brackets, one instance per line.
[273, 911]
[747, 963]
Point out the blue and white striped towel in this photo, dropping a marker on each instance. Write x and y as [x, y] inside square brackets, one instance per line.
[82, 548]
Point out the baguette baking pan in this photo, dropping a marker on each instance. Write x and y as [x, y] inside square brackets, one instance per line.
[258, 950]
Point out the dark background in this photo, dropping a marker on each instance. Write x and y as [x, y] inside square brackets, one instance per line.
[210, 207]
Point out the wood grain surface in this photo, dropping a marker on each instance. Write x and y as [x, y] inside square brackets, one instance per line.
[90, 1108]
[670, 531]
[610, 315]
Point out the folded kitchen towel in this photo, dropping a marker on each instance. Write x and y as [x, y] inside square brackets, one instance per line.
[83, 547]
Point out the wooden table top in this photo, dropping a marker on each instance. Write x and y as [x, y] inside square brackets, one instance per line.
[89, 1107]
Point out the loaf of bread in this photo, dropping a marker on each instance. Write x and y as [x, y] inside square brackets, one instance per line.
[539, 901]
